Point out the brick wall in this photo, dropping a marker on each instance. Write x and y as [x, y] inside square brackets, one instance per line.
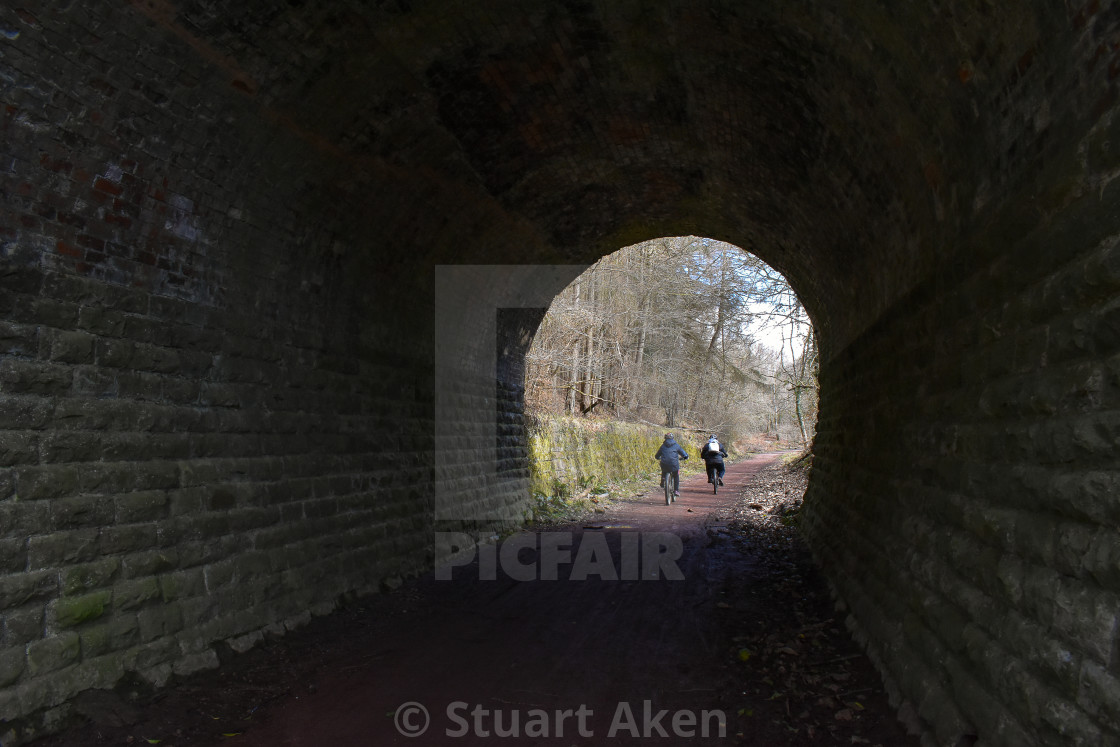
[967, 450]
[974, 481]
[203, 434]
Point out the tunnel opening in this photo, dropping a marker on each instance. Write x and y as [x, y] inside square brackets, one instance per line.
[681, 332]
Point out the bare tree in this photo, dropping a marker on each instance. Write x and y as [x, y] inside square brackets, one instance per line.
[660, 332]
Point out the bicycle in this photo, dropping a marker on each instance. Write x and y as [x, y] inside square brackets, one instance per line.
[667, 456]
[712, 454]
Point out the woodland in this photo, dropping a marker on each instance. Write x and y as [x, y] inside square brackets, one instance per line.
[685, 332]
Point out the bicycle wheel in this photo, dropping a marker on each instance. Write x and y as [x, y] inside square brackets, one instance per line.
[668, 488]
[715, 481]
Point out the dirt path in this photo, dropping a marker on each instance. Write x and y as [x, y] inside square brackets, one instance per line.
[551, 645]
[573, 661]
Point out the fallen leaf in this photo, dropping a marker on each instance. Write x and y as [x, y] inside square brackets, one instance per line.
[844, 715]
[744, 654]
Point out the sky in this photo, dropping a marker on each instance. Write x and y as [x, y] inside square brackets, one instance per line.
[768, 333]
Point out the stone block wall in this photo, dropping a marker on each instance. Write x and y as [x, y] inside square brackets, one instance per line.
[978, 561]
[170, 479]
[578, 454]
[204, 435]
[964, 494]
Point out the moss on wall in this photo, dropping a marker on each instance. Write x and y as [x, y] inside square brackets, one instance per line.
[568, 455]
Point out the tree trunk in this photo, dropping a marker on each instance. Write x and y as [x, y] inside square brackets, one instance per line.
[800, 419]
[721, 314]
[589, 375]
[642, 332]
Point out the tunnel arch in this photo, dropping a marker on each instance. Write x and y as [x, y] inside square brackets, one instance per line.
[746, 297]
[222, 230]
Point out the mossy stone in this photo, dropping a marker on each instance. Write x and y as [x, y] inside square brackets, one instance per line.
[73, 611]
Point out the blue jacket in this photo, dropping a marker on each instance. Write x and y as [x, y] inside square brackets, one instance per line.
[668, 454]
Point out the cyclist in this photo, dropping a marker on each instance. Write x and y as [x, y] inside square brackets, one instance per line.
[670, 465]
[713, 455]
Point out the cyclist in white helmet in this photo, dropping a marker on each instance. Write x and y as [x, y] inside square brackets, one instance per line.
[713, 454]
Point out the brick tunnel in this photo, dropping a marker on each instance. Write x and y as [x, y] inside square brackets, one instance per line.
[222, 233]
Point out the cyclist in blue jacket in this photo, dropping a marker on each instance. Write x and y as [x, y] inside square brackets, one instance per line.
[670, 465]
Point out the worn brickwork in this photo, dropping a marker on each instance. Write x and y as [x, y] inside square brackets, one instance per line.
[974, 470]
[984, 578]
[199, 441]
[222, 403]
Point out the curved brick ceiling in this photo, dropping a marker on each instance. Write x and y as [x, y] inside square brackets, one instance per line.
[843, 147]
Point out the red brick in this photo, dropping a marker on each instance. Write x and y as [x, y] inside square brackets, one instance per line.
[118, 220]
[102, 184]
[70, 251]
[58, 165]
[26, 17]
[69, 219]
[91, 242]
